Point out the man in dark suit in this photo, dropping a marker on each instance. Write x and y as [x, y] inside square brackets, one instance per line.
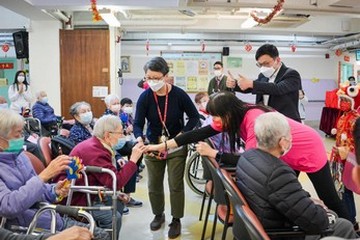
[277, 86]
[219, 81]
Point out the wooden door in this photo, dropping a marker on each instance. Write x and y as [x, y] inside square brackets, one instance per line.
[84, 63]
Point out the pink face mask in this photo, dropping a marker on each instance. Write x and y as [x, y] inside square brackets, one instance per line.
[217, 124]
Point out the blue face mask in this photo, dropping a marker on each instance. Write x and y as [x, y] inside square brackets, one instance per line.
[44, 100]
[120, 144]
[86, 118]
[15, 145]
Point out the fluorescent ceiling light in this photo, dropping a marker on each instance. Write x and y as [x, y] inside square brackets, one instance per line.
[249, 23]
[109, 17]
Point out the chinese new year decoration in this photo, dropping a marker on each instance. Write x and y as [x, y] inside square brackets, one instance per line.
[202, 46]
[338, 52]
[293, 47]
[268, 18]
[5, 47]
[147, 47]
[248, 47]
[96, 15]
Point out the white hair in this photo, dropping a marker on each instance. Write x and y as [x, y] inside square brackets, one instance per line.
[269, 128]
[106, 123]
[39, 93]
[109, 98]
[8, 120]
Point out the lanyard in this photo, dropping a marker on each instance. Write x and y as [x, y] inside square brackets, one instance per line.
[163, 119]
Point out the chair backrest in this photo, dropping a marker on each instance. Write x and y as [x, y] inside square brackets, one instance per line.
[45, 150]
[236, 197]
[36, 162]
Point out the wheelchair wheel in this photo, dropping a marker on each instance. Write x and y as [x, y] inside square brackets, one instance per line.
[194, 174]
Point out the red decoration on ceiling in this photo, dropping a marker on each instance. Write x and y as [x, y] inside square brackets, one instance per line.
[268, 18]
[5, 47]
[96, 16]
[338, 52]
[147, 47]
[248, 47]
[293, 47]
[203, 45]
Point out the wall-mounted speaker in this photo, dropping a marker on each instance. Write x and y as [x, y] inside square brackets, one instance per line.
[226, 51]
[21, 43]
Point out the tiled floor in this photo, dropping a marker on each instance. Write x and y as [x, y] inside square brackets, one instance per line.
[136, 224]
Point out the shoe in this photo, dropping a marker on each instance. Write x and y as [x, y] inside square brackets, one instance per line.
[157, 222]
[126, 210]
[175, 228]
[356, 226]
[134, 203]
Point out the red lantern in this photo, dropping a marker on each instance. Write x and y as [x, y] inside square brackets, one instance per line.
[248, 47]
[293, 47]
[202, 46]
[5, 47]
[338, 52]
[147, 46]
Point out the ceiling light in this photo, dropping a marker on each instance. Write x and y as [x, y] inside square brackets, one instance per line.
[249, 23]
[109, 17]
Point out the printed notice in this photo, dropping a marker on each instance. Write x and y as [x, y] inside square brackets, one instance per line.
[100, 91]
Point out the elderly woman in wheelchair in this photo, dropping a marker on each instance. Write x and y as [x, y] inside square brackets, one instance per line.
[21, 188]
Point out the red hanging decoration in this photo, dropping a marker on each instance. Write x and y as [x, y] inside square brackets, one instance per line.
[268, 18]
[96, 15]
[203, 45]
[338, 52]
[293, 47]
[248, 47]
[5, 47]
[147, 47]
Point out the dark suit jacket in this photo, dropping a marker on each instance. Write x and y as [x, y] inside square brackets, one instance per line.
[283, 93]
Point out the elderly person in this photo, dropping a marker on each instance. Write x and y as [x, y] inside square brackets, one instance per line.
[82, 129]
[99, 151]
[3, 103]
[21, 188]
[19, 93]
[44, 112]
[277, 197]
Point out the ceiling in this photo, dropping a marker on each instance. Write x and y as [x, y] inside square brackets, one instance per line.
[331, 23]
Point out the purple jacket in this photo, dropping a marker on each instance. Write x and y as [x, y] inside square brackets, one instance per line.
[20, 188]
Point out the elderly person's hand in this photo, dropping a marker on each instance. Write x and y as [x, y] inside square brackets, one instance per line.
[73, 233]
[55, 167]
[204, 149]
[137, 152]
[62, 188]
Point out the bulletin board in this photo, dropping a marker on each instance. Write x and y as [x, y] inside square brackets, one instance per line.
[191, 71]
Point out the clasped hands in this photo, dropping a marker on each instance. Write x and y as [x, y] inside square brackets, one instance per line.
[243, 82]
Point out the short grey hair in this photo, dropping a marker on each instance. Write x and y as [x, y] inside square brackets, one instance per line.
[269, 128]
[74, 109]
[109, 98]
[8, 120]
[106, 123]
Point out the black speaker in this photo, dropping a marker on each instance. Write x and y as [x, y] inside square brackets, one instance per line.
[226, 51]
[21, 43]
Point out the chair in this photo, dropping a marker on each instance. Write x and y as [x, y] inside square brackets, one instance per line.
[223, 206]
[36, 162]
[33, 125]
[45, 149]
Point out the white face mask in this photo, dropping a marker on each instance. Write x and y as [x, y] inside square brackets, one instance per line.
[21, 79]
[115, 108]
[267, 71]
[3, 106]
[44, 100]
[217, 73]
[285, 151]
[86, 118]
[156, 85]
[128, 110]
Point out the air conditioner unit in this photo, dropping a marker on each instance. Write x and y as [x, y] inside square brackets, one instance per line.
[345, 3]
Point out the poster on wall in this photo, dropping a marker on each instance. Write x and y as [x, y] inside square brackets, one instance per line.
[192, 71]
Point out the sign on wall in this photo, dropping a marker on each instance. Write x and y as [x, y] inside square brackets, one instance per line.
[191, 71]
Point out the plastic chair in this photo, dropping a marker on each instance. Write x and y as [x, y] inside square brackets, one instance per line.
[95, 190]
[45, 149]
[223, 206]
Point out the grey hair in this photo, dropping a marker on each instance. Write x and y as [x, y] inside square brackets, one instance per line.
[106, 123]
[8, 120]
[74, 109]
[269, 128]
[109, 98]
[38, 93]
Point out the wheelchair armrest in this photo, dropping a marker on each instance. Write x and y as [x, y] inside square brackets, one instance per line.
[295, 231]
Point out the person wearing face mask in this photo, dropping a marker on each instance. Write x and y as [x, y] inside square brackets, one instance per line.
[19, 93]
[307, 154]
[277, 86]
[164, 105]
[82, 129]
[21, 188]
[3, 103]
[45, 113]
[218, 82]
[124, 148]
[277, 197]
[99, 150]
